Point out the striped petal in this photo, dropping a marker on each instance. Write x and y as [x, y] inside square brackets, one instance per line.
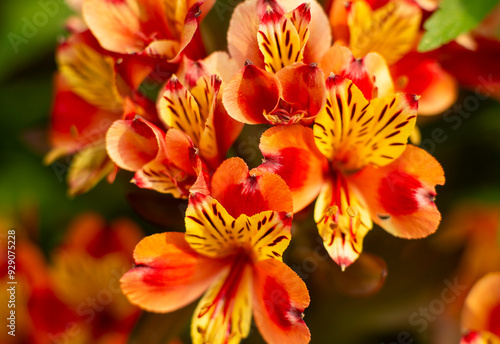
[401, 195]
[224, 313]
[280, 298]
[343, 220]
[352, 132]
[390, 30]
[279, 41]
[168, 274]
[211, 231]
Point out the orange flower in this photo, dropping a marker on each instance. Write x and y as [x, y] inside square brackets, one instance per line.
[198, 128]
[481, 312]
[232, 251]
[357, 160]
[275, 34]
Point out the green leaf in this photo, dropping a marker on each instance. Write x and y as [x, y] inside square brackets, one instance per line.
[453, 18]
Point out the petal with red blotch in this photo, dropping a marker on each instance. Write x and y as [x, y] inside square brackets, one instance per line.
[187, 39]
[343, 220]
[304, 88]
[401, 195]
[280, 298]
[481, 311]
[250, 93]
[75, 123]
[290, 152]
[224, 314]
[420, 74]
[168, 274]
[131, 144]
[89, 166]
[241, 192]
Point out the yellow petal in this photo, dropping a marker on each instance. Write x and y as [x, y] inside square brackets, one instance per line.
[390, 30]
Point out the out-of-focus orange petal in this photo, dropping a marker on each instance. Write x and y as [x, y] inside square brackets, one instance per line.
[250, 93]
[479, 337]
[343, 220]
[290, 152]
[481, 310]
[133, 143]
[280, 298]
[241, 192]
[417, 74]
[168, 274]
[401, 195]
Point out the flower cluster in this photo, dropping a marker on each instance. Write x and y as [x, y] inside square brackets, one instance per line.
[137, 91]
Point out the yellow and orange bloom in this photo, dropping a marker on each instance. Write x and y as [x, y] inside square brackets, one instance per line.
[481, 312]
[199, 131]
[357, 163]
[233, 256]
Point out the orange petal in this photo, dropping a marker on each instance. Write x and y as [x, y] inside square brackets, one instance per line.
[241, 192]
[168, 274]
[290, 152]
[480, 337]
[280, 298]
[400, 195]
[224, 313]
[481, 310]
[343, 220]
[370, 73]
[303, 89]
[390, 30]
[250, 93]
[131, 144]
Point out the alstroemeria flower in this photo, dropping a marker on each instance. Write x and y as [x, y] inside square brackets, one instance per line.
[357, 159]
[481, 312]
[392, 29]
[199, 131]
[292, 95]
[89, 96]
[234, 259]
[154, 28]
[275, 34]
